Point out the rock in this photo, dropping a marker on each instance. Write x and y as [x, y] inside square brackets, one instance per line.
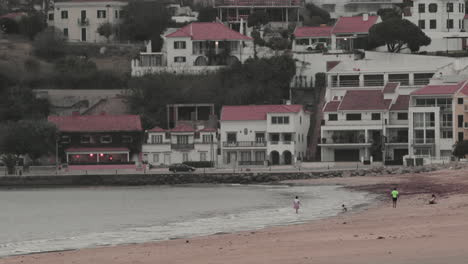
[380, 237]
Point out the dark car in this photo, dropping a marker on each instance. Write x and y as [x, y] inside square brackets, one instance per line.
[180, 167]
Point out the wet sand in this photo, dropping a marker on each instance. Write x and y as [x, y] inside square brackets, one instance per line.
[413, 233]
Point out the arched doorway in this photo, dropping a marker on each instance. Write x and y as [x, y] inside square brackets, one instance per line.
[287, 156]
[274, 157]
[201, 61]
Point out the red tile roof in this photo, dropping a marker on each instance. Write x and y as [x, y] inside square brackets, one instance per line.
[255, 112]
[464, 90]
[303, 32]
[208, 31]
[439, 89]
[17, 15]
[96, 123]
[97, 149]
[157, 129]
[183, 128]
[401, 103]
[354, 24]
[208, 129]
[390, 87]
[331, 106]
[363, 100]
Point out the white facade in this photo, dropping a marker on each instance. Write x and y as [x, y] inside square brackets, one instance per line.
[262, 142]
[165, 148]
[339, 8]
[79, 20]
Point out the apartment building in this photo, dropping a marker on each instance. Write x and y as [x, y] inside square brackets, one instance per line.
[180, 144]
[79, 20]
[195, 48]
[263, 134]
[339, 8]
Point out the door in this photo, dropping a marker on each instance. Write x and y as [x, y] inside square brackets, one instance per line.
[346, 154]
[231, 157]
[167, 158]
[398, 155]
[83, 34]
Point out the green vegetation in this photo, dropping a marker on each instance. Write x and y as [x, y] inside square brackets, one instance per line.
[461, 149]
[32, 24]
[49, 44]
[106, 30]
[18, 102]
[207, 14]
[387, 13]
[316, 16]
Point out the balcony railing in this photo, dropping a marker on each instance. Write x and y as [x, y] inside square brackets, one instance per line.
[376, 83]
[251, 162]
[83, 22]
[424, 140]
[182, 146]
[236, 144]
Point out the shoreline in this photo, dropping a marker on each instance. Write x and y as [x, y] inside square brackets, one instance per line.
[412, 233]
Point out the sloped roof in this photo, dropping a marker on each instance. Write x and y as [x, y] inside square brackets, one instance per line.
[401, 103]
[331, 106]
[354, 24]
[363, 100]
[390, 87]
[183, 128]
[96, 123]
[207, 31]
[439, 89]
[303, 32]
[255, 112]
[157, 129]
[208, 129]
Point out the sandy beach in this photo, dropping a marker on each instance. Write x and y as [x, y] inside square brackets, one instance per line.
[414, 232]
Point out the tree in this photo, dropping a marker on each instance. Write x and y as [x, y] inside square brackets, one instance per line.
[19, 102]
[145, 20]
[257, 19]
[9, 26]
[106, 30]
[34, 138]
[32, 24]
[397, 34]
[49, 44]
[460, 149]
[9, 160]
[207, 14]
[387, 13]
[316, 15]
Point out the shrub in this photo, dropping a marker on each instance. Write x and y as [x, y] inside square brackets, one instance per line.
[32, 65]
[49, 44]
[199, 164]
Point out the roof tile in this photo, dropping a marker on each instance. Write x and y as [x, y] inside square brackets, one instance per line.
[439, 89]
[390, 87]
[208, 31]
[401, 103]
[363, 100]
[302, 32]
[354, 24]
[96, 123]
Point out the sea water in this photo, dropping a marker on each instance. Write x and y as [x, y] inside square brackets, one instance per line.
[38, 220]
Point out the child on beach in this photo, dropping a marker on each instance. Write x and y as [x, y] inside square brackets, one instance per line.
[296, 204]
[395, 195]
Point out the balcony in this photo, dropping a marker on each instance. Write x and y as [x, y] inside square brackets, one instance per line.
[182, 146]
[423, 141]
[397, 140]
[83, 22]
[244, 144]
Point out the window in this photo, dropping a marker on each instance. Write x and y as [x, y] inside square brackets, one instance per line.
[259, 156]
[422, 151]
[302, 42]
[232, 137]
[179, 44]
[449, 7]
[422, 24]
[207, 138]
[101, 14]
[116, 13]
[447, 134]
[121, 13]
[106, 139]
[127, 139]
[184, 157]
[280, 119]
[155, 157]
[375, 116]
[460, 136]
[65, 32]
[300, 120]
[182, 139]
[64, 14]
[421, 8]
[460, 100]
[402, 116]
[51, 16]
[287, 137]
[449, 23]
[332, 117]
[432, 24]
[179, 59]
[65, 140]
[432, 8]
[85, 139]
[353, 117]
[156, 139]
[460, 121]
[202, 156]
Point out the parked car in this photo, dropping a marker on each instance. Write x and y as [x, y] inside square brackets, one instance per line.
[317, 46]
[181, 167]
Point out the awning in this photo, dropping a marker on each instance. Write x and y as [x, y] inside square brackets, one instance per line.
[79, 150]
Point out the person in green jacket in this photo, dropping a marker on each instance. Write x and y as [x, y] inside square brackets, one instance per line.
[395, 196]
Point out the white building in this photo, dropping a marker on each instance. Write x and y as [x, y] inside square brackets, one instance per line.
[442, 21]
[262, 134]
[195, 48]
[183, 143]
[79, 20]
[339, 8]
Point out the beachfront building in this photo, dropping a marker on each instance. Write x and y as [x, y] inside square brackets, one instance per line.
[443, 21]
[195, 115]
[103, 141]
[180, 144]
[339, 8]
[79, 20]
[237, 12]
[366, 125]
[263, 134]
[305, 37]
[195, 48]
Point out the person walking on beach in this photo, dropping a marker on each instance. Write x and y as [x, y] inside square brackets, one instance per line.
[433, 199]
[395, 195]
[296, 204]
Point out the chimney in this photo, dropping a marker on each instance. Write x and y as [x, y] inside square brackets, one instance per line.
[75, 113]
[365, 17]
